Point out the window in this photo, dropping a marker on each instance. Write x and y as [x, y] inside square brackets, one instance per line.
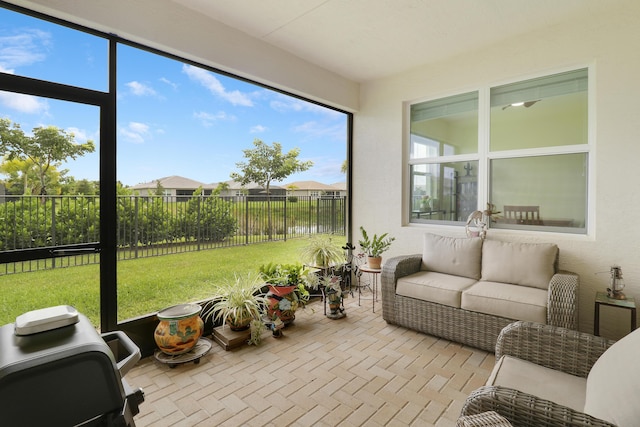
[171, 117]
[537, 155]
[443, 160]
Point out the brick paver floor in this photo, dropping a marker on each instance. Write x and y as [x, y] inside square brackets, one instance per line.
[355, 371]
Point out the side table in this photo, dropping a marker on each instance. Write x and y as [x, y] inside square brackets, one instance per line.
[603, 299]
[374, 272]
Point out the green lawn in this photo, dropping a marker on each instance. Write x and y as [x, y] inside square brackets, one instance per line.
[144, 285]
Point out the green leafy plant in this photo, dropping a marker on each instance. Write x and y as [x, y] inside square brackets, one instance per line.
[257, 328]
[291, 274]
[375, 245]
[329, 282]
[321, 251]
[237, 301]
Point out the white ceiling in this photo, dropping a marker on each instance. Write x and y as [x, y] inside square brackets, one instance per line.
[369, 39]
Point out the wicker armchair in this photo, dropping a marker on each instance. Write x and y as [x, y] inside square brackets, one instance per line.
[553, 347]
[485, 419]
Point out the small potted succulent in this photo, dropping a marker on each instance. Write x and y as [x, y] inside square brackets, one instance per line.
[374, 246]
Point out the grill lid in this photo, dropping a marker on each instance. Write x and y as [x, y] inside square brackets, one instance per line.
[45, 319]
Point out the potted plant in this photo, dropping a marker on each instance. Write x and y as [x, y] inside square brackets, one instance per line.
[332, 289]
[374, 247]
[287, 291]
[322, 253]
[237, 302]
[425, 204]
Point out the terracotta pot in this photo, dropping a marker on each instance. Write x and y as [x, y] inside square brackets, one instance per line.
[374, 262]
[282, 303]
[179, 329]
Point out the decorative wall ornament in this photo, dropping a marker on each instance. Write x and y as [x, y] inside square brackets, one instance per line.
[478, 221]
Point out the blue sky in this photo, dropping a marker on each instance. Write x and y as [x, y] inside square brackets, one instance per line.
[173, 118]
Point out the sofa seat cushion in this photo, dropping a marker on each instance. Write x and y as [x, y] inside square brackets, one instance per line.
[526, 264]
[556, 386]
[613, 384]
[506, 300]
[449, 255]
[439, 288]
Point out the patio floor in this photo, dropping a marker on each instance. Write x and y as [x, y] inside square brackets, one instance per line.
[356, 371]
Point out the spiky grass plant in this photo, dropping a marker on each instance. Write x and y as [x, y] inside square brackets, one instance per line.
[322, 251]
[237, 301]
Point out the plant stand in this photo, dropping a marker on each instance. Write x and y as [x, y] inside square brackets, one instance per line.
[229, 339]
[201, 348]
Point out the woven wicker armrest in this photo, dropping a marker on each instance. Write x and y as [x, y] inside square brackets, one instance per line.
[522, 409]
[485, 419]
[562, 307]
[397, 267]
[557, 348]
[393, 269]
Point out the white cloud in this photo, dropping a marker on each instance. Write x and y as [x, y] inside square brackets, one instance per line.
[314, 129]
[169, 83]
[285, 104]
[258, 129]
[140, 89]
[138, 127]
[209, 119]
[79, 135]
[135, 132]
[209, 81]
[24, 103]
[23, 49]
[325, 167]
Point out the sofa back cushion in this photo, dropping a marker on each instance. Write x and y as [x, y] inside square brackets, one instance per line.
[613, 384]
[449, 255]
[526, 264]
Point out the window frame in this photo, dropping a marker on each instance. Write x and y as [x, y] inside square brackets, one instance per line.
[484, 156]
[139, 328]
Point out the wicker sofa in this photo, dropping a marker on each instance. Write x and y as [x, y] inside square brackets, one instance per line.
[550, 376]
[468, 289]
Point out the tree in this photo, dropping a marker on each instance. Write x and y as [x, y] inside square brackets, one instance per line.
[47, 148]
[345, 167]
[222, 186]
[159, 189]
[18, 172]
[266, 164]
[23, 177]
[69, 185]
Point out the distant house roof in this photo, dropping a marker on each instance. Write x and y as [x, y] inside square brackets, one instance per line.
[340, 185]
[235, 185]
[310, 185]
[177, 182]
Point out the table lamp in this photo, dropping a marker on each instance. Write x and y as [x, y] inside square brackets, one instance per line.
[616, 283]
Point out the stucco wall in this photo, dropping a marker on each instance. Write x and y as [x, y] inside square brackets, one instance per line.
[609, 47]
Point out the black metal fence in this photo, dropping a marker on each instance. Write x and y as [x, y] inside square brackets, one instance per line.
[160, 225]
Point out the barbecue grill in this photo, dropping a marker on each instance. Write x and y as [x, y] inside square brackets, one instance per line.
[57, 370]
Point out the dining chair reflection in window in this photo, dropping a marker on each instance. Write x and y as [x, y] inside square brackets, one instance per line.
[528, 215]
